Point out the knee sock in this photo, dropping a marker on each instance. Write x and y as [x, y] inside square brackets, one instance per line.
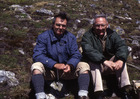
[83, 81]
[38, 83]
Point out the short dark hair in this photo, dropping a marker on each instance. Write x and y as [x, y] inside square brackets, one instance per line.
[61, 15]
[98, 16]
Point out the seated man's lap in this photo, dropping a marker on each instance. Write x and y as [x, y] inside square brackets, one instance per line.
[51, 74]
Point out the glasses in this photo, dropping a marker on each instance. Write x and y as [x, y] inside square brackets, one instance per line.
[98, 25]
[60, 25]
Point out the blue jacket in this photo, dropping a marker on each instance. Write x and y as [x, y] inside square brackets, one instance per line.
[50, 50]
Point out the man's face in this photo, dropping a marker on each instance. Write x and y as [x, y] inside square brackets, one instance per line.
[100, 26]
[59, 26]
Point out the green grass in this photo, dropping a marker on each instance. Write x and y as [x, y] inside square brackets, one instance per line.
[22, 33]
[8, 61]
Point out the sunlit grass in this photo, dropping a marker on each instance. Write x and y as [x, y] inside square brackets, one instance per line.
[20, 33]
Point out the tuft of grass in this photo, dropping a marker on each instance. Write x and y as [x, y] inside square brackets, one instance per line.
[8, 61]
[17, 1]
[133, 73]
[22, 33]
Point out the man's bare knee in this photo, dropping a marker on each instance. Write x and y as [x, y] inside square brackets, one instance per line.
[85, 72]
[36, 71]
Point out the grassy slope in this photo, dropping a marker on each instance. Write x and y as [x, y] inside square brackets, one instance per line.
[18, 37]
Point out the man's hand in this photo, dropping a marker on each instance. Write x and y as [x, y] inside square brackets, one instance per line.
[109, 64]
[67, 68]
[118, 64]
[59, 66]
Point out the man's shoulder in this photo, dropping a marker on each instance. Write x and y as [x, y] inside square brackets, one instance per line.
[45, 34]
[88, 32]
[110, 31]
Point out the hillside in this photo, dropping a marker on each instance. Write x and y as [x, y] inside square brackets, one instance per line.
[22, 20]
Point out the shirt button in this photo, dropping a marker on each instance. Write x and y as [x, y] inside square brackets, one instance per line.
[46, 60]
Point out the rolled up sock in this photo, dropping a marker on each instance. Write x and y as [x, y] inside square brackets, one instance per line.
[38, 83]
[83, 81]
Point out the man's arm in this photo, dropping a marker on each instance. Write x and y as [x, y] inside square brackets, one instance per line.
[40, 52]
[121, 49]
[75, 55]
[93, 54]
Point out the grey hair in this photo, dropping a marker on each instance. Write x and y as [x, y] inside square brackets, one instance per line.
[99, 16]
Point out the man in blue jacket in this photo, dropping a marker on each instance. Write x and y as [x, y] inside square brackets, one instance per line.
[57, 51]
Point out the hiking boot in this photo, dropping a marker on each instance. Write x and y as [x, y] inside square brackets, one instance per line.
[126, 96]
[126, 92]
[83, 97]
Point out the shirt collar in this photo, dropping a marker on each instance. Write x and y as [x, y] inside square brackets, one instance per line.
[54, 38]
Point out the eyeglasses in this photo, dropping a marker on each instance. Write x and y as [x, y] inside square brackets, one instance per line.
[60, 25]
[98, 25]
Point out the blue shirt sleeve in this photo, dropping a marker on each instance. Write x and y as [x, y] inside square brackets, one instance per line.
[75, 53]
[40, 53]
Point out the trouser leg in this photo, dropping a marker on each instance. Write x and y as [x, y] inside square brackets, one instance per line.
[97, 80]
[122, 76]
[124, 83]
[96, 77]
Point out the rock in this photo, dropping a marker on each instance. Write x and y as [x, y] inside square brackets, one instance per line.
[74, 26]
[93, 6]
[136, 53]
[9, 77]
[119, 30]
[14, 6]
[124, 18]
[135, 42]
[137, 22]
[139, 1]
[90, 20]
[5, 28]
[77, 21]
[50, 18]
[44, 11]
[21, 51]
[80, 33]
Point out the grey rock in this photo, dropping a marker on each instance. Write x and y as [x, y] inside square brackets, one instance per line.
[80, 33]
[135, 42]
[119, 30]
[45, 11]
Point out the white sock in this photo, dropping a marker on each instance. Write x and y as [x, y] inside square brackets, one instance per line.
[83, 93]
[40, 95]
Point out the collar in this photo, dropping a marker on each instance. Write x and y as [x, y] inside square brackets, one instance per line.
[54, 38]
[104, 37]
